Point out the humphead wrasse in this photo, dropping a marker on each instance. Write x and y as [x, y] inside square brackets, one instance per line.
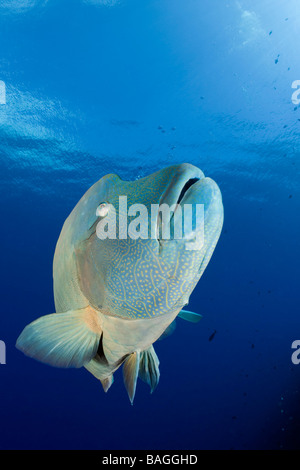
[116, 296]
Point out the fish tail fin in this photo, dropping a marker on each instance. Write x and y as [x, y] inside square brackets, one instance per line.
[67, 339]
[130, 373]
[149, 368]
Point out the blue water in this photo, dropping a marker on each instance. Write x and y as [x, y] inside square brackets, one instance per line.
[128, 87]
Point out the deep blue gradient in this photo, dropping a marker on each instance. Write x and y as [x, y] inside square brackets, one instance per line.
[129, 88]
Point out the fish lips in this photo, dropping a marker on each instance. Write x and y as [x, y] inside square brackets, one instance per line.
[184, 176]
[200, 202]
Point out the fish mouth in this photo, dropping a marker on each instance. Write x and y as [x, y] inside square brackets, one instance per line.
[186, 187]
[181, 187]
[184, 178]
[189, 187]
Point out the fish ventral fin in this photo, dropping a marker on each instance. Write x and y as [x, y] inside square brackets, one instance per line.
[130, 373]
[100, 369]
[67, 339]
[149, 368]
[190, 316]
[107, 383]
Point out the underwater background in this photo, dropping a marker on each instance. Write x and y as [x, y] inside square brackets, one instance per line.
[129, 87]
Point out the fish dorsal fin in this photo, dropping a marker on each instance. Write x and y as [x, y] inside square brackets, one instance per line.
[67, 339]
[130, 373]
[149, 368]
[190, 316]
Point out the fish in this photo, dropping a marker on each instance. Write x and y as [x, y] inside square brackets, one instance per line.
[212, 336]
[115, 296]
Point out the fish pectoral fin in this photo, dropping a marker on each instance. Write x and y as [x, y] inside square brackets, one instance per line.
[190, 316]
[67, 339]
[130, 373]
[149, 368]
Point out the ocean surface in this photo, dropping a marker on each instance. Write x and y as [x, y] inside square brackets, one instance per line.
[129, 87]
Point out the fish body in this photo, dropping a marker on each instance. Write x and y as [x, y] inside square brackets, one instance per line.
[115, 296]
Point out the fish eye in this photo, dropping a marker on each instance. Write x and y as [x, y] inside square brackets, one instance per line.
[102, 209]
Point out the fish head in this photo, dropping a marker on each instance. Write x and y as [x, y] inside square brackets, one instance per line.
[148, 241]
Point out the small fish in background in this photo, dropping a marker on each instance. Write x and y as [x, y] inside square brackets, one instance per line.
[212, 336]
[115, 297]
